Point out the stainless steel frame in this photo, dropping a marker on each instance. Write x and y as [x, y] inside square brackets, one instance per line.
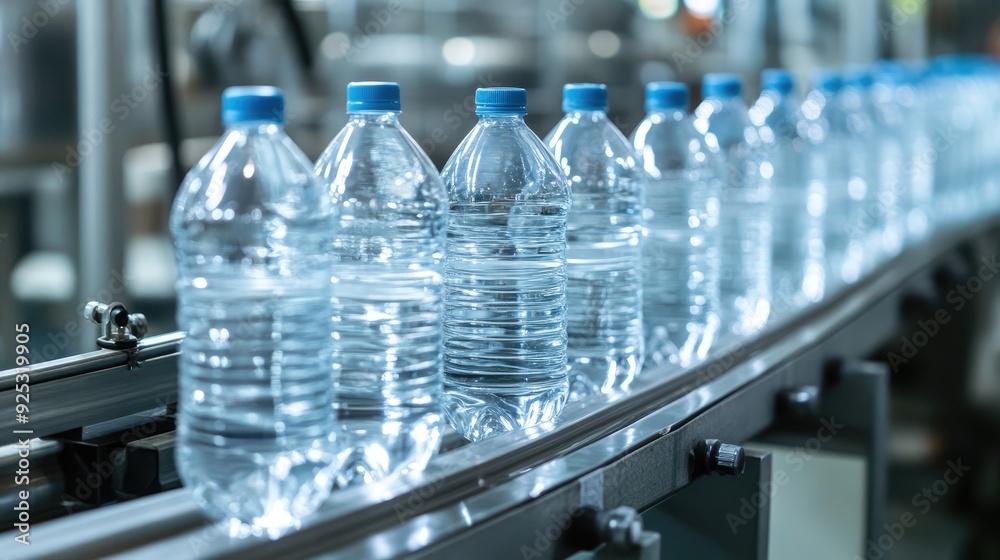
[630, 450]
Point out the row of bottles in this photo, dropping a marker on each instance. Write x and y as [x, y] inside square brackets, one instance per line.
[336, 314]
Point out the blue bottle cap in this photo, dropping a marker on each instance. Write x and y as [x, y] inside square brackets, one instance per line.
[666, 96]
[893, 73]
[585, 97]
[827, 80]
[725, 86]
[243, 104]
[373, 96]
[777, 79]
[501, 100]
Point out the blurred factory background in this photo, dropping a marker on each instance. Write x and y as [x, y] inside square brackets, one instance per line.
[105, 104]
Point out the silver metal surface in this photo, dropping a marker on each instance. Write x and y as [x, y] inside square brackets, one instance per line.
[635, 445]
[100, 59]
[94, 387]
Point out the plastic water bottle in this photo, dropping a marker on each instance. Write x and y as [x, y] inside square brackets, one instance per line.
[252, 230]
[388, 285]
[864, 143]
[745, 207]
[797, 274]
[965, 96]
[604, 288]
[902, 93]
[505, 274]
[827, 171]
[893, 184]
[681, 245]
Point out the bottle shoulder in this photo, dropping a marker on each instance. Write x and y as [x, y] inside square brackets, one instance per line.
[249, 176]
[378, 161]
[504, 160]
[667, 144]
[591, 148]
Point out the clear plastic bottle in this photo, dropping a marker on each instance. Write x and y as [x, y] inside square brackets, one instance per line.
[824, 125]
[681, 246]
[388, 285]
[893, 181]
[863, 148]
[909, 94]
[797, 274]
[252, 230]
[604, 287]
[505, 274]
[722, 117]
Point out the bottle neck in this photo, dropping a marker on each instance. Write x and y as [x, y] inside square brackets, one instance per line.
[587, 115]
[374, 117]
[258, 127]
[669, 113]
[502, 118]
[727, 99]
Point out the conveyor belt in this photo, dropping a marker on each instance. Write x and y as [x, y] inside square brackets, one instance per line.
[627, 450]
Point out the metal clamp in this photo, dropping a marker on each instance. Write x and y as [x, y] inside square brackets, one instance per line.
[613, 535]
[120, 329]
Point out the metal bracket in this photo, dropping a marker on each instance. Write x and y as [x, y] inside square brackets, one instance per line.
[120, 330]
[620, 536]
[719, 517]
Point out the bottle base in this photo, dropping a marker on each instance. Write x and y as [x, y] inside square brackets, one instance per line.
[477, 414]
[604, 374]
[258, 493]
[681, 346]
[372, 450]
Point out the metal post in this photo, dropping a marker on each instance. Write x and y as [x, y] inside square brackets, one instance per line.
[101, 146]
[859, 400]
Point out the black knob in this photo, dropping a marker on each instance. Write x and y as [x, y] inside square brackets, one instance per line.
[119, 317]
[800, 402]
[713, 456]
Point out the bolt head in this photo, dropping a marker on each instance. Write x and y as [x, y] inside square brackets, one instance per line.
[624, 527]
[92, 311]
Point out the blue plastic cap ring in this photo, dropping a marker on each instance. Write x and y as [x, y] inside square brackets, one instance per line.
[725, 86]
[893, 73]
[827, 80]
[501, 100]
[778, 80]
[585, 97]
[859, 76]
[243, 104]
[373, 96]
[666, 96]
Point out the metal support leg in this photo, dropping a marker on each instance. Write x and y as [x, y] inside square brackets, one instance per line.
[859, 400]
[102, 223]
[723, 517]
